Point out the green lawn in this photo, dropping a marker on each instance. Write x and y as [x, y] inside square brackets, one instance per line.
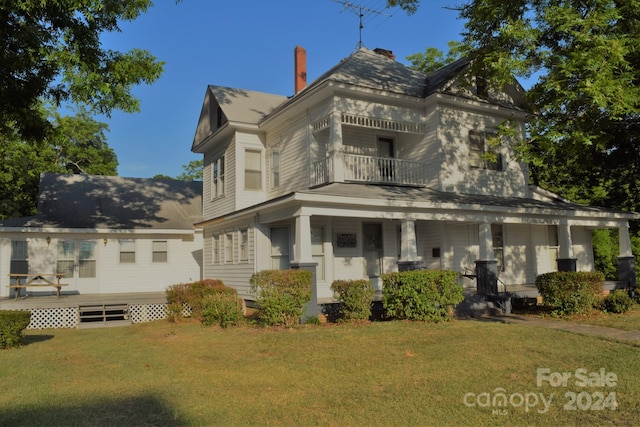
[385, 373]
[629, 321]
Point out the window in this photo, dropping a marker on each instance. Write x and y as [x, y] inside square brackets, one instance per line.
[252, 170]
[215, 248]
[275, 168]
[19, 257]
[217, 178]
[159, 251]
[317, 250]
[244, 244]
[484, 153]
[66, 258]
[228, 248]
[280, 248]
[497, 236]
[127, 251]
[220, 119]
[86, 259]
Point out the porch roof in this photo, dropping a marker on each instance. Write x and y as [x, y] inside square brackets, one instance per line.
[438, 198]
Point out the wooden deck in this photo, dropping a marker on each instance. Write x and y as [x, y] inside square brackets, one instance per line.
[77, 300]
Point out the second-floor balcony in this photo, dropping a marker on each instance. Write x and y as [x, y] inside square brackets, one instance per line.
[343, 167]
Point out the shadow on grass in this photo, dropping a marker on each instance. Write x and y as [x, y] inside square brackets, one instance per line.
[132, 411]
[32, 339]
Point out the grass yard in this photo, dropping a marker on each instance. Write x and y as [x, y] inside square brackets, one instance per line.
[385, 373]
[629, 321]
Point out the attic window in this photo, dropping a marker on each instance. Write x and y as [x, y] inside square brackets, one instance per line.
[482, 86]
[219, 117]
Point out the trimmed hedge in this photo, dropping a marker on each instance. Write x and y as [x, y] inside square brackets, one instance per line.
[223, 308]
[427, 295]
[281, 295]
[12, 326]
[355, 298]
[224, 301]
[570, 292]
[617, 301]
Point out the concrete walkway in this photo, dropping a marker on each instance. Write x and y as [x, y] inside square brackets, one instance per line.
[563, 325]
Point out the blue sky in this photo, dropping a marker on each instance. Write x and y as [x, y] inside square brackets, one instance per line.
[246, 44]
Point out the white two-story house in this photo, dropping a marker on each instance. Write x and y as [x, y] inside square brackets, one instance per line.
[375, 167]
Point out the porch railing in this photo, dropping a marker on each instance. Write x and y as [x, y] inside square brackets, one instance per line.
[359, 168]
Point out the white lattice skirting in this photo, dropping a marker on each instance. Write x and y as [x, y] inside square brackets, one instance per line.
[69, 317]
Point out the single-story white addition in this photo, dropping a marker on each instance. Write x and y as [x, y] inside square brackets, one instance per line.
[106, 234]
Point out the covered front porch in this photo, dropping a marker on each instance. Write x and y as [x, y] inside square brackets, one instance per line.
[350, 231]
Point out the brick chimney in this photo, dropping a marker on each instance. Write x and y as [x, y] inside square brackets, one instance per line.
[384, 52]
[300, 68]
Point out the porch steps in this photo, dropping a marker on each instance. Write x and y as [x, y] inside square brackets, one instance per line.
[475, 305]
[102, 315]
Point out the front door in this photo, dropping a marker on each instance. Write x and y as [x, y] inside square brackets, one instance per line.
[372, 252]
[77, 261]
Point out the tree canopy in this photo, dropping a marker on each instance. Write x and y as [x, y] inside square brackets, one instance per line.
[50, 50]
[583, 58]
[76, 144]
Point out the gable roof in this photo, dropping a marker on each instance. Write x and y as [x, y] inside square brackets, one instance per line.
[368, 69]
[245, 106]
[113, 202]
[364, 69]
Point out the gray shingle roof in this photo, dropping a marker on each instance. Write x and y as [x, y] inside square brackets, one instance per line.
[99, 202]
[245, 106]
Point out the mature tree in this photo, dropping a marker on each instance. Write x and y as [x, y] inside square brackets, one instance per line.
[76, 144]
[192, 171]
[51, 50]
[584, 60]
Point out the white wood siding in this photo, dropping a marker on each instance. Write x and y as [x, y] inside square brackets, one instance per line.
[517, 258]
[213, 208]
[582, 248]
[429, 236]
[456, 174]
[236, 273]
[245, 198]
[293, 144]
[184, 258]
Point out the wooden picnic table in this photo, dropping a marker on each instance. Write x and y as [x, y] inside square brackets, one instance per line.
[36, 280]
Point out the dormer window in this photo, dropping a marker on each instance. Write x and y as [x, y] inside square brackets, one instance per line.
[483, 152]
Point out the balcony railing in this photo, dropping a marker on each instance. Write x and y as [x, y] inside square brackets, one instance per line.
[358, 168]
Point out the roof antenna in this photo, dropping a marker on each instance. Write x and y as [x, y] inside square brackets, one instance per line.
[359, 10]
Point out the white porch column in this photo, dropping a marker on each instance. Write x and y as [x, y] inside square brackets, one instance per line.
[486, 265]
[336, 147]
[302, 249]
[624, 240]
[408, 249]
[564, 240]
[486, 242]
[626, 260]
[566, 261]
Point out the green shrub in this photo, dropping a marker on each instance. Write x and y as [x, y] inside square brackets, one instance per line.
[617, 301]
[429, 295]
[570, 292]
[223, 307]
[355, 298]
[190, 296]
[12, 326]
[281, 295]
